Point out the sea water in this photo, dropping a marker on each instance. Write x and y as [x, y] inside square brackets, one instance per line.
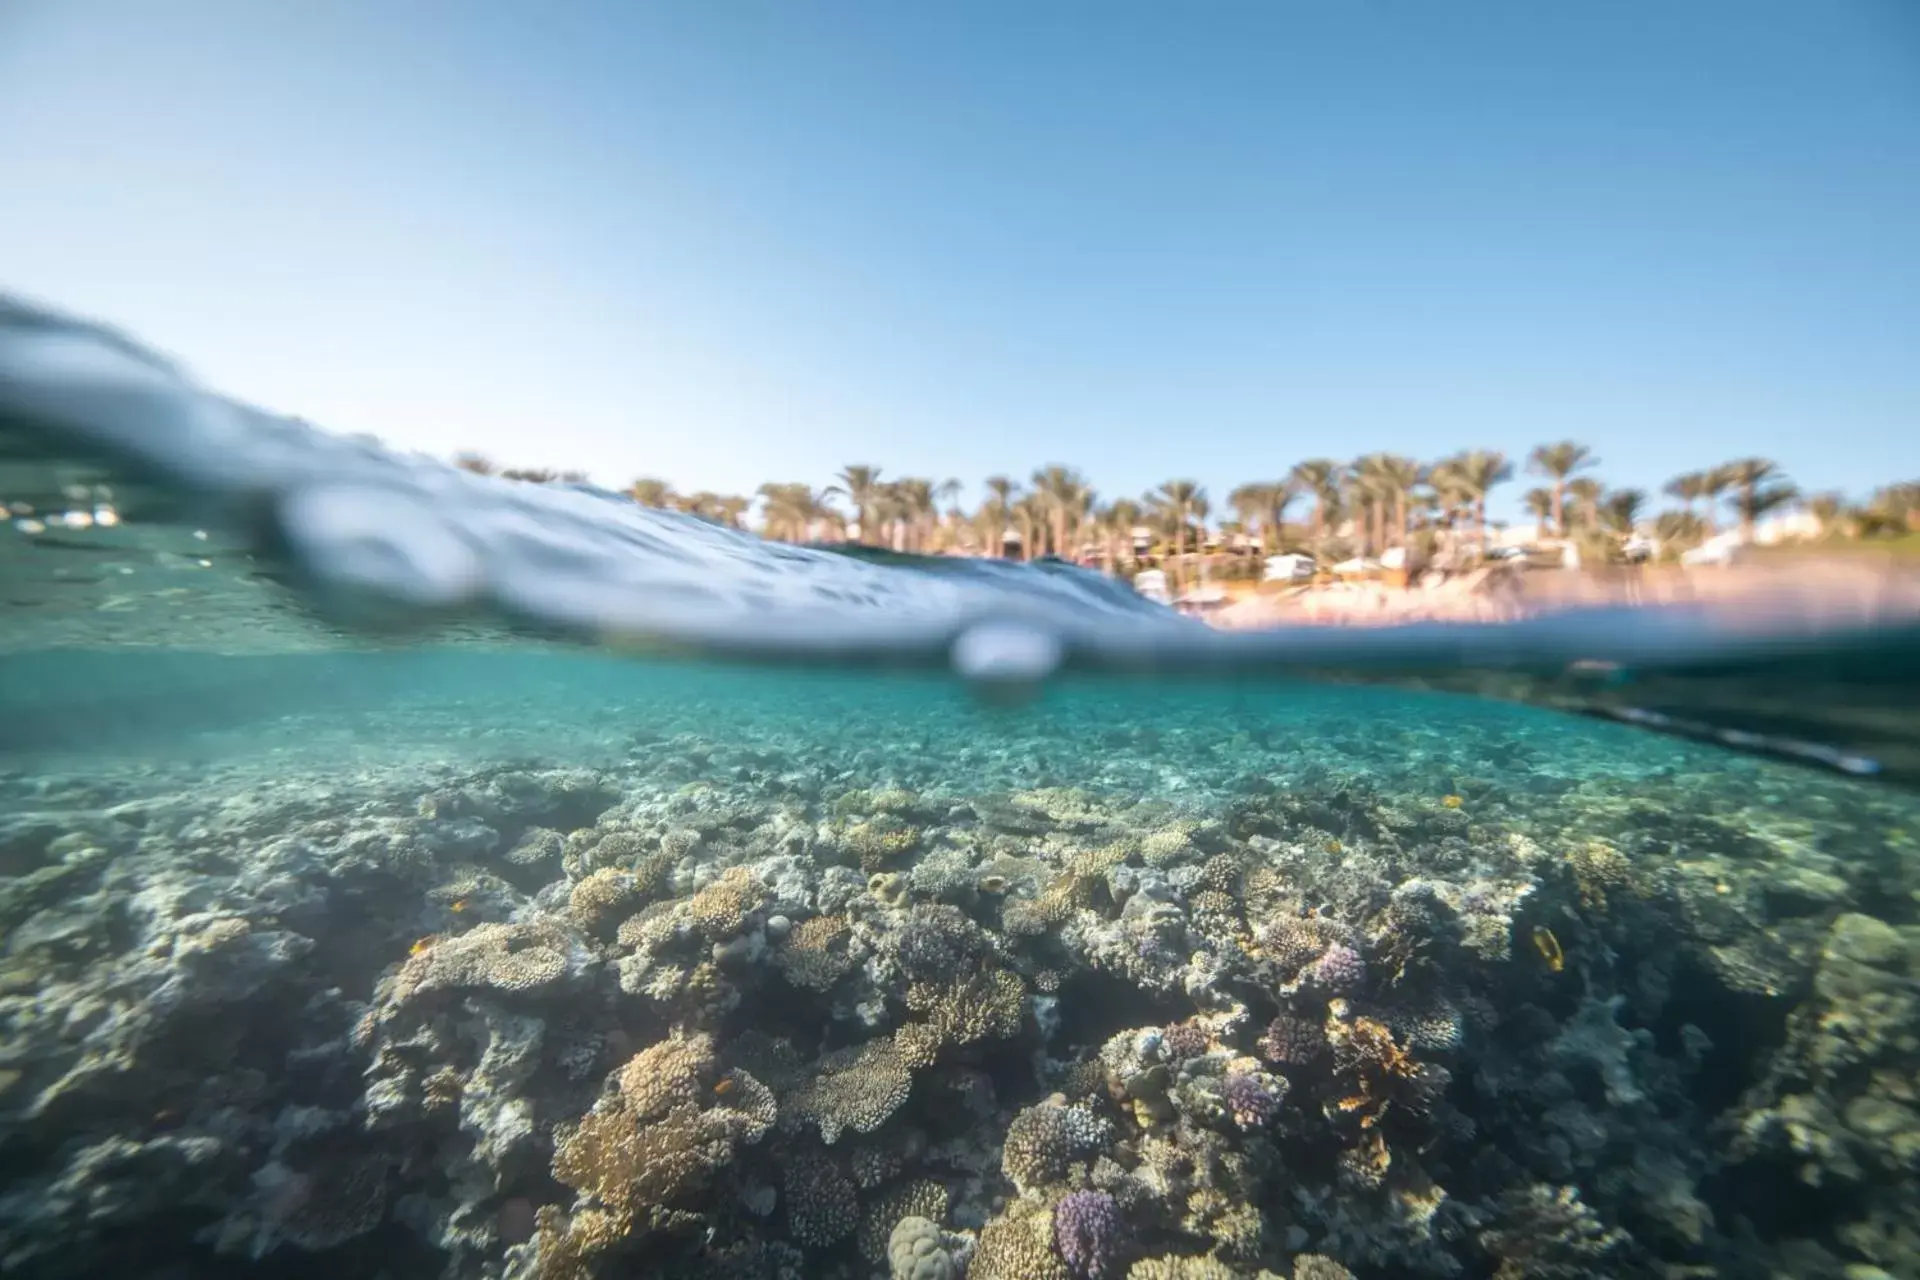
[411, 873]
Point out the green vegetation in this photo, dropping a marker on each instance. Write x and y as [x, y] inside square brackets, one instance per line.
[1331, 509]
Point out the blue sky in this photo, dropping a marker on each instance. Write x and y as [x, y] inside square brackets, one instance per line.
[730, 242]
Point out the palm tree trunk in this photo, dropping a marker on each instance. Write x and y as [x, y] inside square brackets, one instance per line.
[1560, 507]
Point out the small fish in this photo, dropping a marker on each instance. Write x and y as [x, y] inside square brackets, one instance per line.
[1452, 802]
[1549, 948]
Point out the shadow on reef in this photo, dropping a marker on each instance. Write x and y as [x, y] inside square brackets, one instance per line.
[726, 1010]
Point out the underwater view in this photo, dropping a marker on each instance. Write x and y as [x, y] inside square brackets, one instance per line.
[408, 873]
[668, 640]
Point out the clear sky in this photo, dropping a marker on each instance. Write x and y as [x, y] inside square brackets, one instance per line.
[726, 242]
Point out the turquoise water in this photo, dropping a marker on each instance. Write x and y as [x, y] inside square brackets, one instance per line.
[376, 898]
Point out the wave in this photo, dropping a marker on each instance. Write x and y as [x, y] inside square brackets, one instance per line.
[1805, 667]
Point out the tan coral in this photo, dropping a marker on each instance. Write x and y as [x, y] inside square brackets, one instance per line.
[991, 1004]
[914, 1198]
[601, 898]
[855, 1088]
[1018, 1245]
[502, 957]
[721, 909]
[669, 1073]
[815, 955]
[570, 1248]
[635, 1168]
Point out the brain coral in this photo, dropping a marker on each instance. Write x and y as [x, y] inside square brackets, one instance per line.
[917, 1250]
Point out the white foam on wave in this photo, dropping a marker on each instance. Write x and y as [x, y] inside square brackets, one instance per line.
[409, 533]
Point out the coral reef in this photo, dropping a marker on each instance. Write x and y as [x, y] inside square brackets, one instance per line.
[1183, 999]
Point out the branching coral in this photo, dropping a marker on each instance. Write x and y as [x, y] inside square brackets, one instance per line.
[1043, 1142]
[1018, 1245]
[822, 1205]
[1375, 1071]
[601, 898]
[1089, 1234]
[920, 1198]
[721, 909]
[815, 955]
[991, 1004]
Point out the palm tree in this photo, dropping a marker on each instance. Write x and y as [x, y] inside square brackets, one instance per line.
[650, 492]
[915, 510]
[1178, 503]
[1117, 522]
[788, 511]
[1620, 511]
[1558, 462]
[1540, 506]
[478, 463]
[997, 513]
[1251, 503]
[1713, 485]
[1062, 492]
[1689, 488]
[1746, 478]
[1478, 471]
[1030, 515]
[1678, 531]
[1585, 493]
[1319, 478]
[728, 509]
[1361, 486]
[1397, 478]
[861, 486]
[1828, 508]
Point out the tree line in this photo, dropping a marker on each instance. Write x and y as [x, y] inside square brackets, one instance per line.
[1324, 506]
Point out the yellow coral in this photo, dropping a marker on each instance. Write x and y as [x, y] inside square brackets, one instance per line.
[1599, 867]
[1166, 846]
[878, 841]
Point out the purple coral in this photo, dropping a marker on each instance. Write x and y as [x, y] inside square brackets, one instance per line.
[1340, 968]
[1252, 1100]
[1184, 1040]
[1088, 1232]
[1292, 1041]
